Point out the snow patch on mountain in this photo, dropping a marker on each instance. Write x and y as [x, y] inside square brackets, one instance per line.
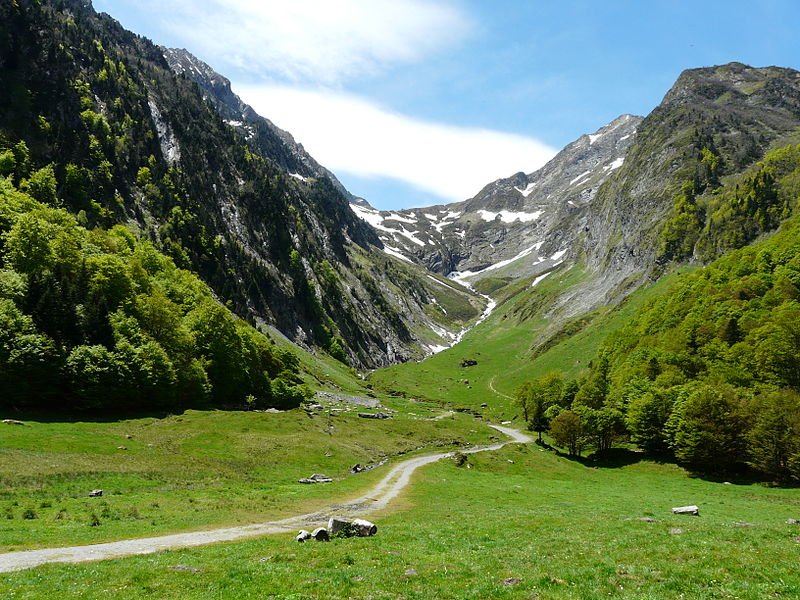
[507, 216]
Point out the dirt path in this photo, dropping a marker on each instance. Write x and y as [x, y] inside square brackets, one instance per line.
[491, 387]
[374, 500]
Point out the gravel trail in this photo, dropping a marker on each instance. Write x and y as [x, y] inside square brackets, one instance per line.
[374, 500]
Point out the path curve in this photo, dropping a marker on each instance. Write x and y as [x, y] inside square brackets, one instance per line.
[374, 500]
[496, 391]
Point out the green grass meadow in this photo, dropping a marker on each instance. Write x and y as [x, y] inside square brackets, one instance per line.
[517, 523]
[197, 470]
[522, 522]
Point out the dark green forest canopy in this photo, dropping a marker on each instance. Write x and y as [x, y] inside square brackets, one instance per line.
[709, 371]
[99, 319]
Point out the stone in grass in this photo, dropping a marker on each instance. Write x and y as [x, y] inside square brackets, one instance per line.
[321, 534]
[12, 422]
[793, 521]
[512, 581]
[677, 531]
[686, 510]
[316, 478]
[95, 493]
[358, 527]
[186, 569]
[303, 535]
[642, 519]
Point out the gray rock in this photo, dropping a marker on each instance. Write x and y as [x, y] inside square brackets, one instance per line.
[378, 415]
[364, 528]
[793, 521]
[321, 534]
[316, 478]
[303, 535]
[356, 527]
[12, 422]
[686, 510]
[336, 525]
[676, 531]
[95, 493]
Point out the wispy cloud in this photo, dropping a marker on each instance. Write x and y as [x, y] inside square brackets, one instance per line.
[350, 134]
[313, 40]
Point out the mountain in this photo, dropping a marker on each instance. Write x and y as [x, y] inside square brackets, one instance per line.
[534, 216]
[269, 230]
[271, 141]
[614, 201]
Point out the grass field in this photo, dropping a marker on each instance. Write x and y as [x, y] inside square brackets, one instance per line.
[198, 469]
[503, 348]
[521, 522]
[518, 523]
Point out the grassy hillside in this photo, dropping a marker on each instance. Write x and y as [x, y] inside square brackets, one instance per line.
[198, 470]
[513, 345]
[519, 524]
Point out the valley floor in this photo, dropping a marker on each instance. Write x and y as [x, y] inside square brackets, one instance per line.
[374, 500]
[520, 522]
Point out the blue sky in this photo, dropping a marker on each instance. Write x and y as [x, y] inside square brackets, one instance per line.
[417, 102]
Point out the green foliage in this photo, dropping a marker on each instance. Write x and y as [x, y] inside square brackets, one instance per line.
[537, 396]
[774, 436]
[734, 215]
[708, 429]
[42, 185]
[100, 320]
[569, 432]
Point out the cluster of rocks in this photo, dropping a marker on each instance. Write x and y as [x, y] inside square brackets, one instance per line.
[316, 478]
[339, 528]
[357, 400]
[377, 415]
[359, 468]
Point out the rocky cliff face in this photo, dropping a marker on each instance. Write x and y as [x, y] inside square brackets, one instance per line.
[238, 202]
[272, 141]
[734, 111]
[524, 224]
[603, 201]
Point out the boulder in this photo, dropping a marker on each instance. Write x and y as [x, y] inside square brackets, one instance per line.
[336, 525]
[12, 422]
[686, 510]
[320, 534]
[364, 528]
[378, 415]
[95, 493]
[316, 478]
[793, 521]
[303, 535]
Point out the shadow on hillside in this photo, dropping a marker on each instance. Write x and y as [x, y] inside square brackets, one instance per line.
[615, 458]
[743, 476]
[86, 416]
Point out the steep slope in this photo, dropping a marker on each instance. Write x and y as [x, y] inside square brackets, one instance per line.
[131, 142]
[263, 135]
[534, 216]
[733, 112]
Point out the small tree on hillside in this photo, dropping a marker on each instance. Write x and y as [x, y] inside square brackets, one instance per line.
[523, 398]
[567, 431]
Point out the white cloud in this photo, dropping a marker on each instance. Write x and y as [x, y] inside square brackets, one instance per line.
[313, 40]
[350, 134]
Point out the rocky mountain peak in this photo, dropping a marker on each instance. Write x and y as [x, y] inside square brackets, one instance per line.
[736, 82]
[519, 225]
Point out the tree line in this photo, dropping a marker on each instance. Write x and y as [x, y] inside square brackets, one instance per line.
[99, 319]
[709, 372]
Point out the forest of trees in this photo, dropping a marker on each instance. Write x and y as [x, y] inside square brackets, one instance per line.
[709, 372]
[99, 319]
